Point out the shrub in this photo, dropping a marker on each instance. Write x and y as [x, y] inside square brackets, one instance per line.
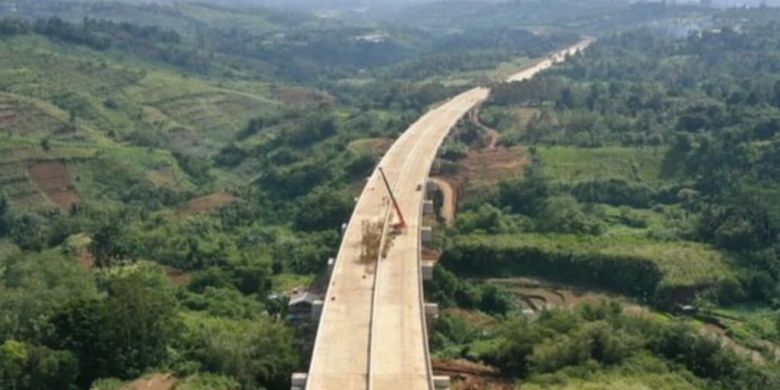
[616, 192]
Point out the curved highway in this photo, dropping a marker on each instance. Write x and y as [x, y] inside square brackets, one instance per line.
[372, 332]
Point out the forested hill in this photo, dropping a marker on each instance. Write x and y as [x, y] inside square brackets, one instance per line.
[171, 173]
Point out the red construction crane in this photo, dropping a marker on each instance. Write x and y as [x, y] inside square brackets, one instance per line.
[400, 226]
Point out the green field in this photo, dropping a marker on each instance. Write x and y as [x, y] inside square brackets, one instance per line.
[564, 164]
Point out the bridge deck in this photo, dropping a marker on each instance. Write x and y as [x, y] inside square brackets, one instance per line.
[372, 332]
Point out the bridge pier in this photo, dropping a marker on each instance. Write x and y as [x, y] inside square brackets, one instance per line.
[331, 264]
[316, 310]
[431, 312]
[298, 381]
[426, 234]
[430, 187]
[428, 207]
[427, 269]
[441, 382]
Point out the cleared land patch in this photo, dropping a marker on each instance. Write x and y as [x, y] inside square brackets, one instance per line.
[375, 146]
[162, 177]
[489, 166]
[302, 96]
[151, 382]
[468, 375]
[53, 179]
[207, 203]
[34, 178]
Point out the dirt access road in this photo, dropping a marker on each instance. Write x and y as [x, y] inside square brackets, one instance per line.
[372, 332]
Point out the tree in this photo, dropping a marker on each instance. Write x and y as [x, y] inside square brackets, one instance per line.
[35, 286]
[515, 350]
[29, 232]
[252, 127]
[4, 208]
[111, 246]
[24, 366]
[564, 214]
[254, 352]
[230, 156]
[252, 276]
[121, 335]
[323, 208]
[524, 196]
[495, 300]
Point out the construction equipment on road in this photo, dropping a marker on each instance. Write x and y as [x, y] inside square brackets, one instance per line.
[399, 227]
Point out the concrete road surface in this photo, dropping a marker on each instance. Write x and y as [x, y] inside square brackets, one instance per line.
[399, 356]
[372, 332]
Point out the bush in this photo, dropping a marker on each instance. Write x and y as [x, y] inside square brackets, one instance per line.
[455, 151]
[616, 192]
[488, 219]
[565, 215]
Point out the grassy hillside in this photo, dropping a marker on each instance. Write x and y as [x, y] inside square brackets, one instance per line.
[111, 96]
[100, 114]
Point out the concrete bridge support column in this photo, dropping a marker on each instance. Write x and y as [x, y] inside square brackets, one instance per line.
[316, 310]
[298, 381]
[430, 187]
[431, 312]
[427, 269]
[331, 264]
[428, 207]
[441, 382]
[426, 234]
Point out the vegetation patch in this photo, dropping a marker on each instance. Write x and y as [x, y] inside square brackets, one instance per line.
[22, 118]
[566, 164]
[664, 271]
